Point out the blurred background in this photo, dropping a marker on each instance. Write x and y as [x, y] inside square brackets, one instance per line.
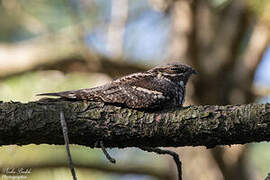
[48, 45]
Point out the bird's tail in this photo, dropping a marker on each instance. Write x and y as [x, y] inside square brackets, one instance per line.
[65, 94]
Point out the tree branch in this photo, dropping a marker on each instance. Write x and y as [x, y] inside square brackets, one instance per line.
[39, 53]
[38, 122]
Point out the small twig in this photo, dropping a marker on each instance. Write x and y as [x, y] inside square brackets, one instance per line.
[65, 134]
[171, 153]
[108, 156]
[268, 177]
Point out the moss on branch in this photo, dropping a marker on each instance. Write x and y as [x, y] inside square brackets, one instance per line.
[39, 122]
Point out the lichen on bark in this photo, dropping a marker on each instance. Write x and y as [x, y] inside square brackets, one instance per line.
[38, 122]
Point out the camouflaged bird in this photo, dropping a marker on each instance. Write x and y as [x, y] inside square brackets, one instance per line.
[158, 88]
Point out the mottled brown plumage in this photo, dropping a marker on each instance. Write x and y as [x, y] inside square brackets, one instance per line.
[160, 87]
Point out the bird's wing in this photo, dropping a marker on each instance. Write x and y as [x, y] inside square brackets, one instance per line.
[139, 92]
[135, 91]
[90, 93]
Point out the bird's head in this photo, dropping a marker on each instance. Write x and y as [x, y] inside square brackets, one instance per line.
[175, 72]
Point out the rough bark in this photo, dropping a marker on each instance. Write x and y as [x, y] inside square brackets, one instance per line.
[38, 122]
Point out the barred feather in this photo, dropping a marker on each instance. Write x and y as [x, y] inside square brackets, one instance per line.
[158, 88]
